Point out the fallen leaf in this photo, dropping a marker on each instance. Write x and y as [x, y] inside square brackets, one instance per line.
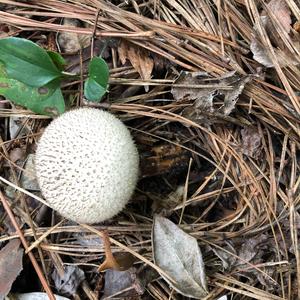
[260, 54]
[227, 259]
[179, 256]
[121, 284]
[204, 110]
[28, 178]
[10, 265]
[68, 283]
[251, 249]
[71, 42]
[282, 13]
[251, 142]
[18, 127]
[139, 58]
[124, 260]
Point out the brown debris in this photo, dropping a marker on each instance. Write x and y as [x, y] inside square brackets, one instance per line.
[138, 57]
[10, 265]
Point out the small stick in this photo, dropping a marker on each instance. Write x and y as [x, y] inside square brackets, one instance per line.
[25, 245]
[94, 33]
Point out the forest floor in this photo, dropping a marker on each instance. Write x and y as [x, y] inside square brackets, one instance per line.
[210, 92]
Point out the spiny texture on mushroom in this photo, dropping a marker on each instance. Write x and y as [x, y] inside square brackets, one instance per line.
[87, 165]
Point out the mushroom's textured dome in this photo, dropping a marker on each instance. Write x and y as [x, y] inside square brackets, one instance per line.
[87, 165]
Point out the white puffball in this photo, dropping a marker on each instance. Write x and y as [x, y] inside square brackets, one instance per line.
[87, 165]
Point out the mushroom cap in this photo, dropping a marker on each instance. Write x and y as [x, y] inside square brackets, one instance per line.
[87, 165]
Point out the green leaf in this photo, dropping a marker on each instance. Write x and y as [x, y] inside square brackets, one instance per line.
[27, 62]
[93, 91]
[58, 60]
[46, 100]
[96, 85]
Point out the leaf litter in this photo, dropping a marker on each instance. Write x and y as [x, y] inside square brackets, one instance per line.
[70, 281]
[281, 11]
[11, 265]
[139, 58]
[179, 255]
[203, 109]
[122, 284]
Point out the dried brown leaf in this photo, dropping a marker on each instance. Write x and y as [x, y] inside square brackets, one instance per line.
[178, 254]
[10, 266]
[281, 12]
[251, 142]
[230, 86]
[138, 57]
[124, 260]
[122, 284]
[251, 251]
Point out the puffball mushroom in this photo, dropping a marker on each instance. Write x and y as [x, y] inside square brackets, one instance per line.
[87, 165]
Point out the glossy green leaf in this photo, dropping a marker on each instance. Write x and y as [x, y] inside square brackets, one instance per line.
[27, 62]
[58, 60]
[96, 85]
[47, 100]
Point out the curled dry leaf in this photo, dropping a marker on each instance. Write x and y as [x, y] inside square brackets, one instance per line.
[251, 142]
[71, 42]
[280, 10]
[122, 284]
[178, 255]
[282, 13]
[10, 266]
[203, 110]
[139, 58]
[69, 282]
[251, 250]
